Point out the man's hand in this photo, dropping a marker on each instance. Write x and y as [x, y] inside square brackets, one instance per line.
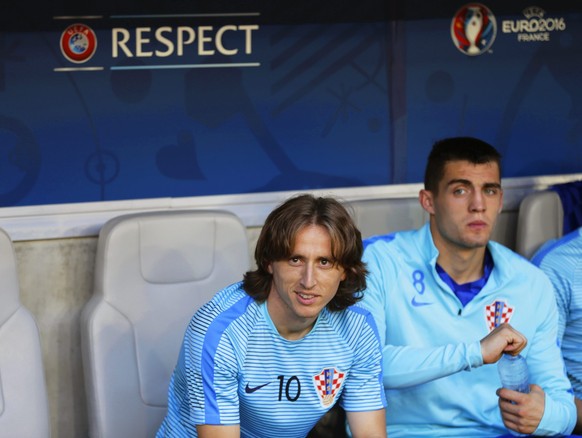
[503, 339]
[522, 412]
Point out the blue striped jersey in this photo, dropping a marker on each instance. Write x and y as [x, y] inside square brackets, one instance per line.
[235, 368]
[561, 260]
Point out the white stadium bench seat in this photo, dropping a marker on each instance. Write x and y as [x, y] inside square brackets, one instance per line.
[24, 409]
[540, 218]
[152, 272]
[383, 216]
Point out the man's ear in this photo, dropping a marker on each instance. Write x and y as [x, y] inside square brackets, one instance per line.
[426, 199]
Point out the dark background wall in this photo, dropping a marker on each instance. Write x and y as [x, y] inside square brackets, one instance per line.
[341, 94]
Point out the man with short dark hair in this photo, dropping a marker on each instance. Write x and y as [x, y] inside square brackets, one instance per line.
[448, 284]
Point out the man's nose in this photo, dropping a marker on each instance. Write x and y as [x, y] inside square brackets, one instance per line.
[477, 202]
[308, 280]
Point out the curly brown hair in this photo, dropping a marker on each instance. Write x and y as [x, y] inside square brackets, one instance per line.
[278, 236]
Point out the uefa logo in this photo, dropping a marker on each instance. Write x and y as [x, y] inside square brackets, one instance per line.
[78, 43]
[473, 29]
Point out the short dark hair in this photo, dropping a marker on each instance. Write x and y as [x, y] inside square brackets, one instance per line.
[457, 149]
[278, 236]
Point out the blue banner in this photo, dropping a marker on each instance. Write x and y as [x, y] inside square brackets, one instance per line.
[146, 100]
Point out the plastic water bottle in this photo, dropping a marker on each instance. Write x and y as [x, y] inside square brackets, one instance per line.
[513, 373]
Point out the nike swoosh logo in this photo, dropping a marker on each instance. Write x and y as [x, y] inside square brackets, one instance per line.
[419, 303]
[250, 390]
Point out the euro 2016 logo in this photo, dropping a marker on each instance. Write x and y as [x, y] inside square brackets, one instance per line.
[473, 29]
[78, 43]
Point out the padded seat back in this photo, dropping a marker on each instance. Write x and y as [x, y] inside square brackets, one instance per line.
[540, 218]
[383, 216]
[23, 395]
[153, 271]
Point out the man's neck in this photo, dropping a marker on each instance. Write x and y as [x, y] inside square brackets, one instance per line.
[462, 265]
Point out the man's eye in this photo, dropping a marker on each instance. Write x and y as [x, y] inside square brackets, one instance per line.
[327, 263]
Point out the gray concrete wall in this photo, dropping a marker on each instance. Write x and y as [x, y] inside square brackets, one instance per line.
[56, 280]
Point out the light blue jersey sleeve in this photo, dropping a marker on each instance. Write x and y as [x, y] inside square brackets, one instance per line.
[405, 366]
[546, 364]
[203, 387]
[561, 261]
[558, 271]
[363, 390]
